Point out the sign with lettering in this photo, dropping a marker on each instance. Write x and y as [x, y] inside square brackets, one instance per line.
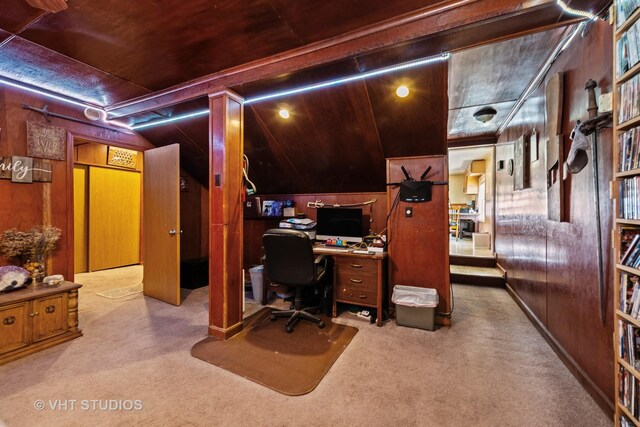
[45, 141]
[22, 169]
[25, 169]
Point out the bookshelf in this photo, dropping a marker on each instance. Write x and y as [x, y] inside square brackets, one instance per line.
[626, 194]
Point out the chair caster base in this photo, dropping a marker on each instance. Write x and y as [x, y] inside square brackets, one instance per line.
[321, 325]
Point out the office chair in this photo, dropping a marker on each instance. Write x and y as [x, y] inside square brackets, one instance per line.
[454, 220]
[289, 261]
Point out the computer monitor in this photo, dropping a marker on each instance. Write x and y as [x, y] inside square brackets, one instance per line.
[339, 223]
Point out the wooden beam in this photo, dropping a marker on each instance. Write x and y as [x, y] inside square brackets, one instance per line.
[471, 141]
[226, 288]
[423, 22]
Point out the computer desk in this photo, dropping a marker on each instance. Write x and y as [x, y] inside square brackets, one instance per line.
[358, 279]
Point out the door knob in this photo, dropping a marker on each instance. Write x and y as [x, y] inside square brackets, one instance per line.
[172, 232]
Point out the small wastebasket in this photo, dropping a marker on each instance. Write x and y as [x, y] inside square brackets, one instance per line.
[415, 307]
[256, 282]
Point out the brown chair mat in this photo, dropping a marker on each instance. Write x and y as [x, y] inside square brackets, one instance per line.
[292, 364]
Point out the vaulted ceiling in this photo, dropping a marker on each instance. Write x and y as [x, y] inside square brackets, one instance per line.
[109, 52]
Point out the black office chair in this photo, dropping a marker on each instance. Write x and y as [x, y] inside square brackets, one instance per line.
[289, 261]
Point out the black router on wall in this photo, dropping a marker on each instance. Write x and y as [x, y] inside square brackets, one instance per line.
[413, 191]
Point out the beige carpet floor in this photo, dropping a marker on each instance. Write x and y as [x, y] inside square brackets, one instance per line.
[491, 368]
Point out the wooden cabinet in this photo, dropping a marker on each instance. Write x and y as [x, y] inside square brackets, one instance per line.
[359, 280]
[626, 220]
[36, 318]
[472, 176]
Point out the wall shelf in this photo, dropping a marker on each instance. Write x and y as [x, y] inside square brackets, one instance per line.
[623, 226]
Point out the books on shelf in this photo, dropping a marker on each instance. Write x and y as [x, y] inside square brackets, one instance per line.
[624, 9]
[629, 150]
[628, 391]
[629, 294]
[628, 98]
[629, 343]
[629, 198]
[628, 49]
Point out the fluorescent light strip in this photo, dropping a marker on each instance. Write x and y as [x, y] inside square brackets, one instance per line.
[343, 80]
[49, 95]
[535, 82]
[576, 12]
[171, 119]
[404, 66]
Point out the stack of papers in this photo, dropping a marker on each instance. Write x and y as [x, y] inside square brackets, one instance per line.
[298, 223]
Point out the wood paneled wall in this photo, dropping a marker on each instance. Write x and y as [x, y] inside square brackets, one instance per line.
[25, 205]
[255, 228]
[419, 244]
[552, 266]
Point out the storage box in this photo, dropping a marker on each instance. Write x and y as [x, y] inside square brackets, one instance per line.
[415, 307]
[481, 240]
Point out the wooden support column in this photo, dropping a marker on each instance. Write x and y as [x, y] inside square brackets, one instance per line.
[226, 289]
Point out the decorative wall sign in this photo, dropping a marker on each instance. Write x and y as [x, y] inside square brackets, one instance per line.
[520, 169]
[45, 141]
[122, 157]
[22, 169]
[40, 169]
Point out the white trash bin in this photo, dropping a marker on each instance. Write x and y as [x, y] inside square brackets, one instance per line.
[256, 282]
[415, 307]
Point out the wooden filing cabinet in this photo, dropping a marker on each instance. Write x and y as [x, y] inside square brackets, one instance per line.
[38, 317]
[359, 280]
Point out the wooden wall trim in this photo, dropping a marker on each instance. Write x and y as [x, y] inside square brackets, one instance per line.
[423, 22]
[596, 394]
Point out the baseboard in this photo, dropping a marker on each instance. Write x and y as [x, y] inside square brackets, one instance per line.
[596, 394]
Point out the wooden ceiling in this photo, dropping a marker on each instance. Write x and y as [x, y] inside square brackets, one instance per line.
[109, 52]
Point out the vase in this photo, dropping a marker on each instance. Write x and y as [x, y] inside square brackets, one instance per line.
[36, 266]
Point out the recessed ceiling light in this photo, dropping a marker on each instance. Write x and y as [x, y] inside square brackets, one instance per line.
[402, 91]
[284, 113]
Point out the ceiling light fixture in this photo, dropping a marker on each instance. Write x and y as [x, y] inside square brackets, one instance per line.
[576, 12]
[539, 77]
[343, 80]
[284, 113]
[48, 94]
[171, 119]
[402, 91]
[485, 114]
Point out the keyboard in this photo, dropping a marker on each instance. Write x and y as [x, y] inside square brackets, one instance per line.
[332, 249]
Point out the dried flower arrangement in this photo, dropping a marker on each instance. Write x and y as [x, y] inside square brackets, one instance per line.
[40, 241]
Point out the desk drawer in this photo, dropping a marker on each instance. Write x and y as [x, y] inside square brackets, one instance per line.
[356, 296]
[358, 266]
[357, 282]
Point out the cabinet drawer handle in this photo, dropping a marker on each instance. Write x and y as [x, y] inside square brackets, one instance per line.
[34, 314]
[362, 296]
[356, 280]
[9, 320]
[356, 265]
[50, 309]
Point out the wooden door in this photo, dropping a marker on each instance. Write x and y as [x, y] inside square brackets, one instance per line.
[80, 218]
[161, 223]
[114, 218]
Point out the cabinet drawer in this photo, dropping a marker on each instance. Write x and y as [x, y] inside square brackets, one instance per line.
[359, 266]
[356, 296]
[357, 282]
[14, 331]
[50, 316]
